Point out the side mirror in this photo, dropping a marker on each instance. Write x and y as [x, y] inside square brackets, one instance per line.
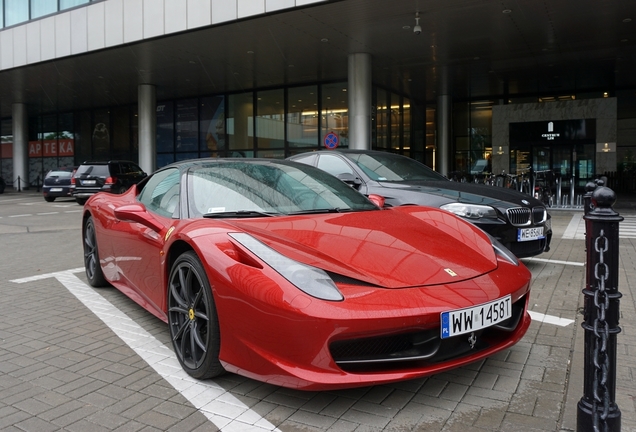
[137, 213]
[350, 179]
[377, 200]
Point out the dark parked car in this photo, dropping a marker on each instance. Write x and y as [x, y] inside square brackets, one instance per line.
[112, 176]
[57, 183]
[517, 220]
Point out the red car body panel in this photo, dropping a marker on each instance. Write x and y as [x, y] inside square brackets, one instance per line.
[395, 280]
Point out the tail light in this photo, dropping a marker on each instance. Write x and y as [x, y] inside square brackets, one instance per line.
[111, 180]
[73, 181]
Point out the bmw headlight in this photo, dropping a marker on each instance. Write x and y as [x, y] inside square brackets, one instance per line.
[502, 251]
[470, 211]
[311, 280]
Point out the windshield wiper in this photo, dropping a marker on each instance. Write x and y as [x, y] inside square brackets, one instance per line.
[240, 214]
[324, 210]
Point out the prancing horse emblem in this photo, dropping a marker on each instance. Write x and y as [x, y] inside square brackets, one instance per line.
[472, 340]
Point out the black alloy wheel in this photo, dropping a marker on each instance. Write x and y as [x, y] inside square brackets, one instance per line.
[94, 272]
[194, 326]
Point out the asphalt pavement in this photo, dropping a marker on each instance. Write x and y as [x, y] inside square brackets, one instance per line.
[75, 358]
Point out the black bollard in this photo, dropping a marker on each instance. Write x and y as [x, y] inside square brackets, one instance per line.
[587, 198]
[597, 410]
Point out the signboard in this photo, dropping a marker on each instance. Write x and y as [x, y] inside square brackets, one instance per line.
[553, 131]
[52, 148]
[331, 140]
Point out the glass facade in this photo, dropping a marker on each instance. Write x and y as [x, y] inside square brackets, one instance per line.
[13, 12]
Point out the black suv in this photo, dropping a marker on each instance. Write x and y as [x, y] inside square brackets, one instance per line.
[111, 176]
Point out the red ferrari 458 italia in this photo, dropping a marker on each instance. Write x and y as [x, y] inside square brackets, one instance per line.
[280, 272]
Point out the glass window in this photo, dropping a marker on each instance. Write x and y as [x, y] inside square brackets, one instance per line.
[16, 11]
[42, 7]
[121, 133]
[1, 13]
[83, 135]
[161, 193]
[381, 119]
[212, 126]
[165, 127]
[334, 165]
[65, 4]
[395, 119]
[187, 125]
[302, 116]
[334, 113]
[101, 134]
[270, 119]
[240, 127]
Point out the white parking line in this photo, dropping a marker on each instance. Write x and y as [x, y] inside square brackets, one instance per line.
[20, 215]
[549, 319]
[219, 406]
[551, 261]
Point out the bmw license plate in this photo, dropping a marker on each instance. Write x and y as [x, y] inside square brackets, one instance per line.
[56, 189]
[527, 234]
[88, 182]
[460, 321]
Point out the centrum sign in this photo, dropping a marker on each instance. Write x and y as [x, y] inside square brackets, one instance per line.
[551, 135]
[557, 130]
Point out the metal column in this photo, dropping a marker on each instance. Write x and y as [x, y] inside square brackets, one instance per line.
[444, 106]
[147, 103]
[20, 127]
[360, 101]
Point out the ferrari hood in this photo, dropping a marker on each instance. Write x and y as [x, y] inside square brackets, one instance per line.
[392, 248]
[464, 192]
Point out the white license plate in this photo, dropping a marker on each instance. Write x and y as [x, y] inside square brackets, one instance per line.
[527, 234]
[56, 189]
[460, 321]
[88, 182]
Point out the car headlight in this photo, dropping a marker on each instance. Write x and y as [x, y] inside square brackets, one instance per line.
[502, 251]
[311, 280]
[470, 211]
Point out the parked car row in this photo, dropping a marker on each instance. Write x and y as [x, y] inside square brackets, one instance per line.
[281, 272]
[81, 182]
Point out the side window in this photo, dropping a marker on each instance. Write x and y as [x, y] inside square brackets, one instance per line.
[161, 194]
[334, 165]
[115, 169]
[309, 159]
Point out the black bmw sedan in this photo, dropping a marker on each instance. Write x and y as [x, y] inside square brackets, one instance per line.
[517, 220]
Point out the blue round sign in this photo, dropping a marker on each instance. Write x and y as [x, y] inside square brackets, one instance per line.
[331, 140]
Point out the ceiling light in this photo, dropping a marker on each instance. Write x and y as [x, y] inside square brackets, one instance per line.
[506, 11]
[324, 40]
[417, 29]
[626, 20]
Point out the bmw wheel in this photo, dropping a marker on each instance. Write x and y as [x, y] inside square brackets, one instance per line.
[94, 272]
[194, 326]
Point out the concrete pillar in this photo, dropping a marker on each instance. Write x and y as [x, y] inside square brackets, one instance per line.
[20, 146]
[147, 107]
[444, 106]
[360, 101]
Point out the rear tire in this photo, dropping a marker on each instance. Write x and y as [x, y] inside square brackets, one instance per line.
[192, 318]
[93, 268]
[49, 199]
[81, 201]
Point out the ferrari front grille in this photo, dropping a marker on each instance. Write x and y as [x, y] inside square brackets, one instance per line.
[519, 216]
[418, 347]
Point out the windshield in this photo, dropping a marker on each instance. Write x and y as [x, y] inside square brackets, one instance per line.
[392, 167]
[60, 174]
[268, 188]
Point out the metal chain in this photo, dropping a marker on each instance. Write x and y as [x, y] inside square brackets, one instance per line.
[601, 332]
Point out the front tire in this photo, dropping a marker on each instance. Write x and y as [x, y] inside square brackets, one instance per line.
[94, 272]
[192, 318]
